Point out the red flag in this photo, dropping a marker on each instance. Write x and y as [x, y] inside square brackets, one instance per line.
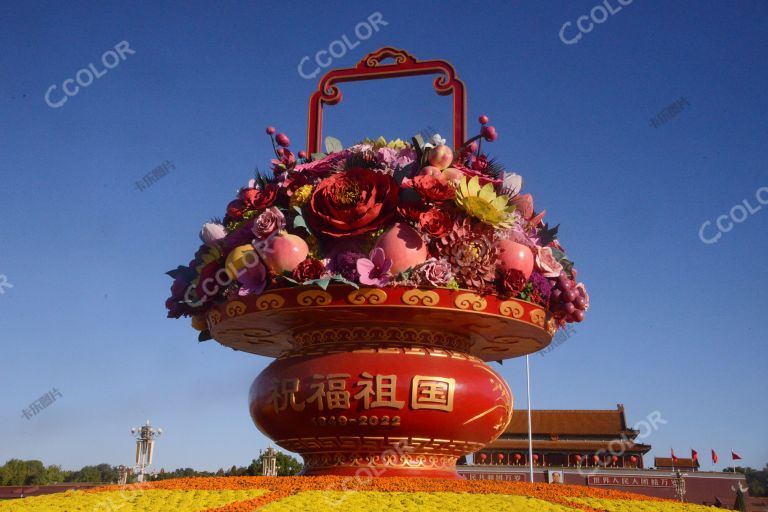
[714, 457]
[674, 457]
[735, 456]
[694, 455]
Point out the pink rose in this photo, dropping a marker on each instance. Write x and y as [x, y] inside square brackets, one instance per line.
[270, 221]
[546, 262]
[433, 273]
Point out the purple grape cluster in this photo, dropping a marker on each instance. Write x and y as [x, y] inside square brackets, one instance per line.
[565, 301]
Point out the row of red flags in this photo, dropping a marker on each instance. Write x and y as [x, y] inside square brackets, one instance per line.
[695, 456]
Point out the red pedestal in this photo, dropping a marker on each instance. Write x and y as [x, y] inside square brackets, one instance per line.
[380, 382]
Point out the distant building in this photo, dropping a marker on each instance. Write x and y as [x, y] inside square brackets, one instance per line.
[666, 463]
[568, 438]
[597, 448]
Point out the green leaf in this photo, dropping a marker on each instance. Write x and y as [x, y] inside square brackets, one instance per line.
[298, 222]
[183, 272]
[343, 280]
[547, 235]
[318, 156]
[333, 145]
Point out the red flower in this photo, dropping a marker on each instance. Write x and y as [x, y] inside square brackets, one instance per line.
[480, 163]
[432, 188]
[436, 222]
[257, 198]
[235, 210]
[513, 281]
[411, 210]
[352, 203]
[308, 269]
[207, 286]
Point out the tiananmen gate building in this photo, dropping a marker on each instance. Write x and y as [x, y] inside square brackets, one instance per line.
[598, 448]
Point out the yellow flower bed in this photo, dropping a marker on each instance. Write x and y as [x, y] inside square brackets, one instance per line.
[371, 501]
[130, 501]
[640, 506]
[328, 494]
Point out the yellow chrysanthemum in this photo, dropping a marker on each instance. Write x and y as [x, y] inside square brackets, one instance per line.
[483, 203]
[381, 142]
[301, 196]
[212, 254]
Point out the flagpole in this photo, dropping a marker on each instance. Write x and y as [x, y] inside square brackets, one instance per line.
[530, 437]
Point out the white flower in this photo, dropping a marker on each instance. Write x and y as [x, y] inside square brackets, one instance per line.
[437, 140]
[434, 140]
[511, 184]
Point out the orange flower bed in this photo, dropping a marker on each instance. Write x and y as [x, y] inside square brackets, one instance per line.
[282, 487]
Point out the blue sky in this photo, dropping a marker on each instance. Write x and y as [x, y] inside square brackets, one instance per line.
[674, 325]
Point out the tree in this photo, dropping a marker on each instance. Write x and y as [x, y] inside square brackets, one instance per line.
[54, 474]
[287, 465]
[23, 472]
[757, 480]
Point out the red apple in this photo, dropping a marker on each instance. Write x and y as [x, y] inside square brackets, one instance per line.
[515, 256]
[284, 252]
[404, 246]
[441, 156]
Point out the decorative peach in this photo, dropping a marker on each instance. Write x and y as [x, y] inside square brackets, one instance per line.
[284, 252]
[241, 257]
[430, 170]
[452, 174]
[404, 246]
[515, 256]
[441, 156]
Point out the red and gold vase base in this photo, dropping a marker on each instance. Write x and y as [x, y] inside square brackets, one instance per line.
[386, 411]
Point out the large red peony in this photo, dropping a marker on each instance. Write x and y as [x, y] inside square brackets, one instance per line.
[352, 203]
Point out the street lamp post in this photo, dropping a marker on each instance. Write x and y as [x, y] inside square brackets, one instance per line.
[680, 485]
[145, 445]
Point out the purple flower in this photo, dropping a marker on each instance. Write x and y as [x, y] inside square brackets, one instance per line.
[345, 263]
[374, 270]
[394, 158]
[270, 221]
[253, 280]
[542, 285]
[433, 273]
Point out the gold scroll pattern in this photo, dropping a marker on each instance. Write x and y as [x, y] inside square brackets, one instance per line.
[314, 298]
[236, 308]
[538, 316]
[269, 301]
[471, 301]
[379, 444]
[380, 335]
[420, 297]
[511, 308]
[367, 296]
[214, 317]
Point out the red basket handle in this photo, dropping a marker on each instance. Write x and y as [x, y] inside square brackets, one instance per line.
[371, 68]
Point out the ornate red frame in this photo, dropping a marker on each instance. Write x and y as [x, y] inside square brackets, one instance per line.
[371, 68]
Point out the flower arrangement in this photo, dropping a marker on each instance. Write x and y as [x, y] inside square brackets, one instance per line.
[331, 493]
[381, 214]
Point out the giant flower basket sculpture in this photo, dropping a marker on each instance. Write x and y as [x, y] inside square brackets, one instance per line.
[382, 277]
